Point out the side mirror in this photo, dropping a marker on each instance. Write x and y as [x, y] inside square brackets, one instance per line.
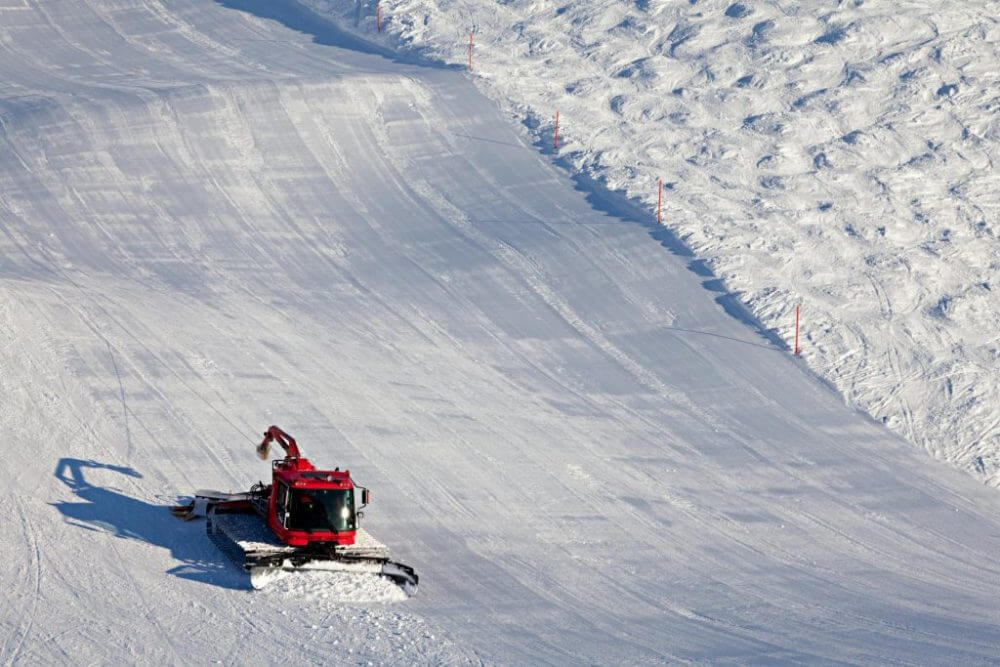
[366, 496]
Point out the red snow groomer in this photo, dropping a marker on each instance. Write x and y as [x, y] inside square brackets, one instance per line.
[305, 519]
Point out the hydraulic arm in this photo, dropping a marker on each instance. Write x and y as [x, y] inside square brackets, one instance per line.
[287, 442]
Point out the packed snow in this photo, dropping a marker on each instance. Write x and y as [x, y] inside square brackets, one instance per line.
[838, 155]
[328, 587]
[218, 215]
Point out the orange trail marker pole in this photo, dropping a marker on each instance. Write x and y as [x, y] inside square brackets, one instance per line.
[470, 50]
[659, 201]
[797, 350]
[378, 16]
[555, 137]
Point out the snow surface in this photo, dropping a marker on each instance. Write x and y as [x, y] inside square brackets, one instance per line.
[330, 587]
[838, 155]
[218, 215]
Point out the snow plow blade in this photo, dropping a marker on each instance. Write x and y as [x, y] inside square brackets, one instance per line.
[250, 545]
[401, 575]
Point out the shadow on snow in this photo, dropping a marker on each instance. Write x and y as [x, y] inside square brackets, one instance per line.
[620, 207]
[109, 510]
[324, 31]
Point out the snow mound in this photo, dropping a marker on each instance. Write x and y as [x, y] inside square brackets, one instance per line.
[325, 587]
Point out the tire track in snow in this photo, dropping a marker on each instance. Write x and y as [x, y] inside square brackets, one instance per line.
[130, 446]
[148, 611]
[221, 457]
[706, 523]
[35, 566]
[573, 321]
[522, 269]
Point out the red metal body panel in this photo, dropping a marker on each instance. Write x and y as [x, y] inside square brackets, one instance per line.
[298, 473]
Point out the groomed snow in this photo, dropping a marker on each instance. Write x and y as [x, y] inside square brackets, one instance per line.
[219, 215]
[838, 155]
[328, 588]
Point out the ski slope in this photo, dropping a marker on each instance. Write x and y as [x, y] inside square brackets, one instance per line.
[848, 151]
[218, 215]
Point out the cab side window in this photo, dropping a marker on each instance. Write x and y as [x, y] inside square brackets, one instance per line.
[281, 502]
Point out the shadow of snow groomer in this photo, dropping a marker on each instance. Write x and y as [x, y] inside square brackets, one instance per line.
[109, 510]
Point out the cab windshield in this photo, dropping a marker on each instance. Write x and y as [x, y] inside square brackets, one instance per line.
[322, 509]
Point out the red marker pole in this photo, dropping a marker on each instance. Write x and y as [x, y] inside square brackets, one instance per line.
[555, 137]
[797, 350]
[470, 50]
[659, 201]
[378, 15]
